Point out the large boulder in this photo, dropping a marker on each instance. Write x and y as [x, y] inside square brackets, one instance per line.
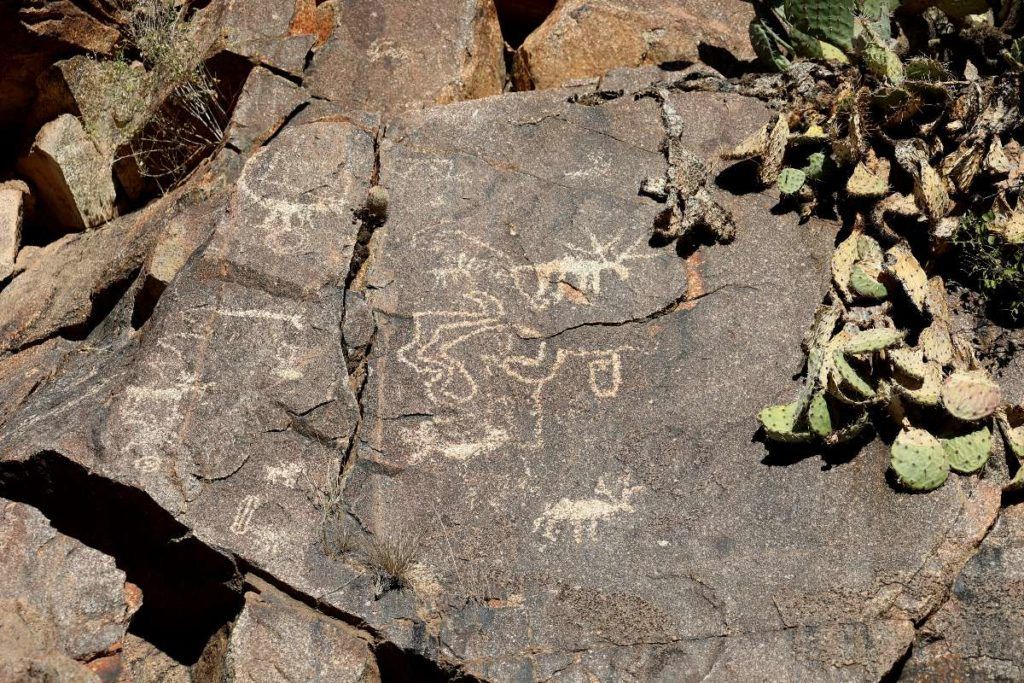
[500, 428]
[387, 55]
[274, 633]
[71, 177]
[65, 606]
[582, 39]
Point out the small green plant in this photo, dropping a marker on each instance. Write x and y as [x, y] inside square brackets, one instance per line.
[392, 557]
[154, 105]
[992, 262]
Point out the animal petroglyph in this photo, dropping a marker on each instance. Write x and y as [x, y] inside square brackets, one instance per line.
[604, 370]
[581, 516]
[581, 270]
[446, 438]
[436, 334]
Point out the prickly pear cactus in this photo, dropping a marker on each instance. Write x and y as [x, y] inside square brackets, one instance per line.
[827, 20]
[779, 424]
[791, 180]
[870, 341]
[918, 460]
[967, 453]
[970, 395]
[884, 345]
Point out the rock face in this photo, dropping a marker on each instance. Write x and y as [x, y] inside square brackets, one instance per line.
[62, 604]
[400, 387]
[582, 39]
[70, 175]
[274, 633]
[976, 634]
[393, 54]
[507, 376]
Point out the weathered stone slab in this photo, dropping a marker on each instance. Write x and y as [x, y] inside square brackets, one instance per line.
[65, 604]
[563, 415]
[274, 633]
[560, 413]
[263, 32]
[62, 283]
[235, 400]
[583, 39]
[13, 196]
[977, 633]
[71, 177]
[265, 103]
[388, 55]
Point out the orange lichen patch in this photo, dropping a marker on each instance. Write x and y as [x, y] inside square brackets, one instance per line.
[694, 281]
[312, 18]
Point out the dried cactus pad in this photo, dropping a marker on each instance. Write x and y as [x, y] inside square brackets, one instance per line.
[779, 423]
[905, 268]
[968, 452]
[918, 460]
[970, 395]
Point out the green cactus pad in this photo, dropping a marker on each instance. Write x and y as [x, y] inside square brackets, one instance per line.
[779, 424]
[919, 461]
[829, 20]
[873, 340]
[767, 46]
[968, 453]
[791, 180]
[850, 377]
[815, 166]
[866, 284]
[883, 62]
[970, 395]
[819, 419]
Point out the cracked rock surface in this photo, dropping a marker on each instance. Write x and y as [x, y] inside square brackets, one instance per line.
[396, 312]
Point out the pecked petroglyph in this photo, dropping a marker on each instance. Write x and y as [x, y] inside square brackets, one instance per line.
[243, 516]
[436, 334]
[455, 439]
[580, 517]
[581, 269]
[604, 368]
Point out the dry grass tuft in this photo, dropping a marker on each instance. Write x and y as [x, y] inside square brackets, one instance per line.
[392, 557]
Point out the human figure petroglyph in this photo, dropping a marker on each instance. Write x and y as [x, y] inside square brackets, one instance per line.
[243, 516]
[604, 368]
[437, 333]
